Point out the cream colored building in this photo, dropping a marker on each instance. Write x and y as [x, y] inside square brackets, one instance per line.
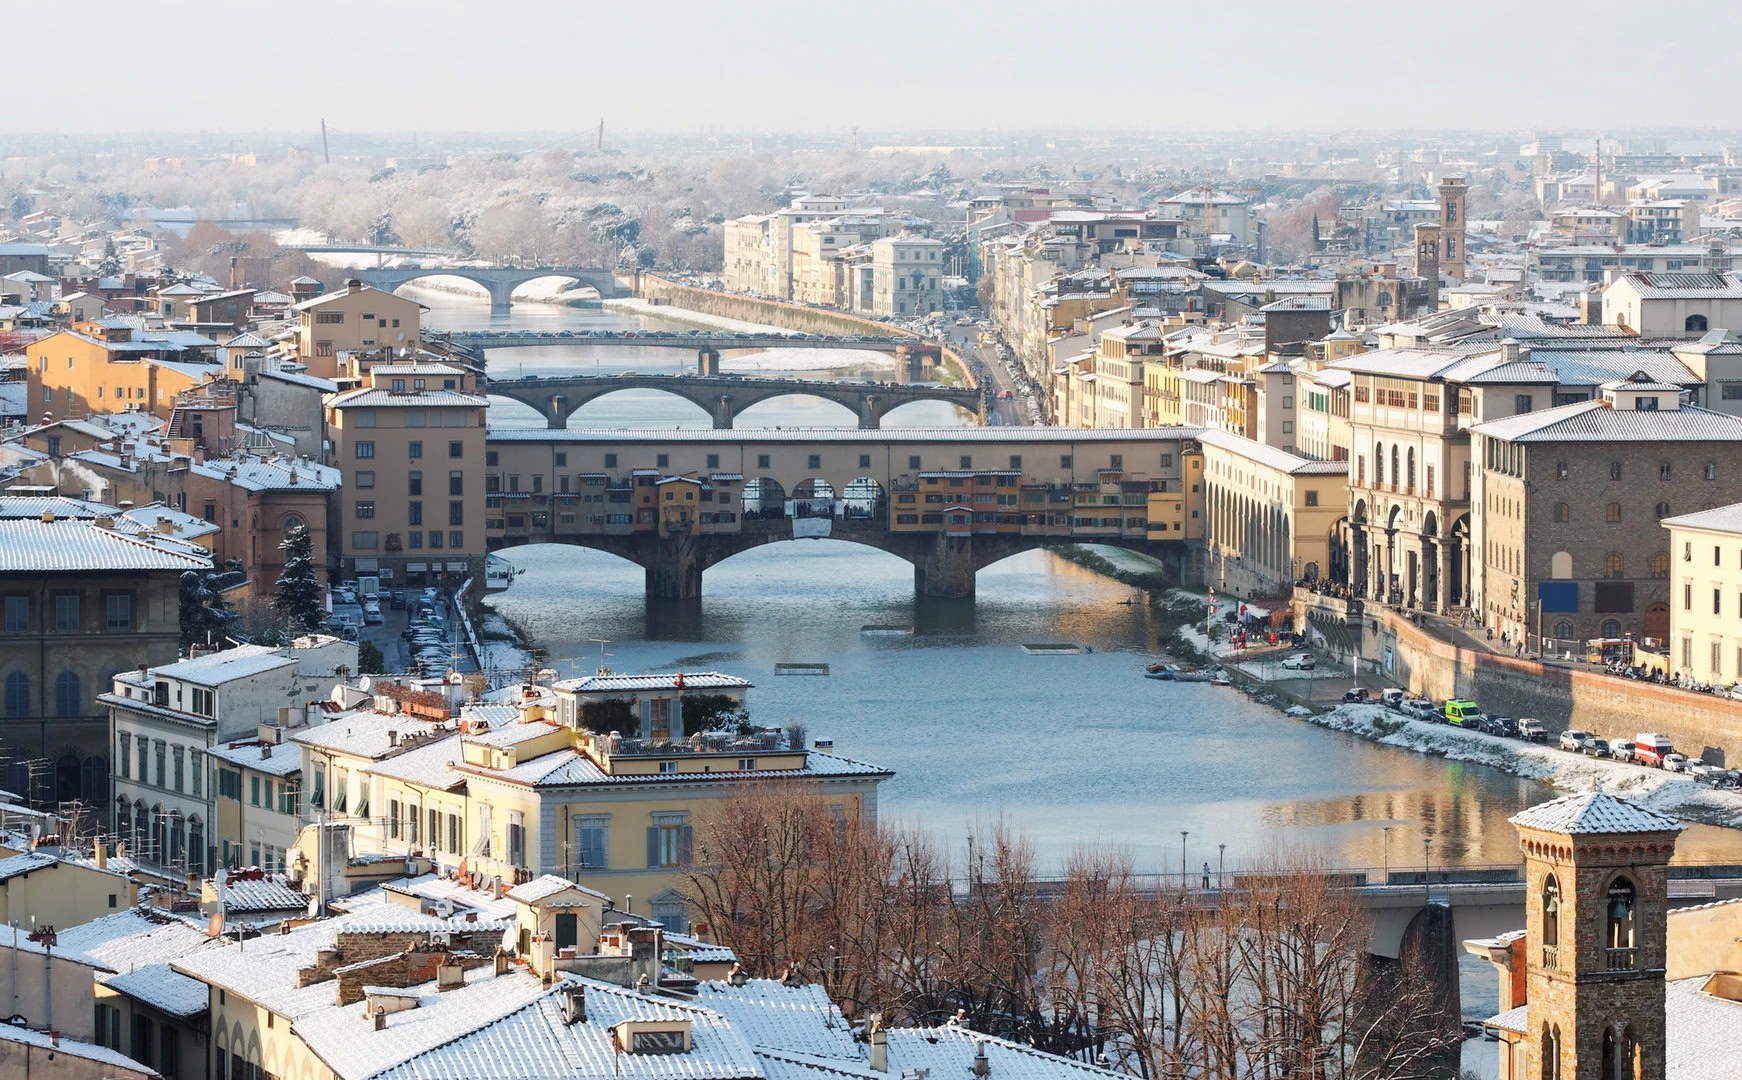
[1705, 635]
[907, 275]
[1271, 517]
[410, 445]
[1119, 374]
[353, 318]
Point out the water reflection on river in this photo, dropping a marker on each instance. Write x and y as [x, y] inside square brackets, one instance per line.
[1072, 749]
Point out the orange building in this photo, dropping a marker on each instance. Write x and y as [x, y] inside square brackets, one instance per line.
[112, 366]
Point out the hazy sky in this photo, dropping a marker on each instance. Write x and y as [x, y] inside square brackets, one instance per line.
[550, 65]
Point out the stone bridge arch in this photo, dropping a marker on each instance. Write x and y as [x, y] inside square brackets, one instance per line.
[500, 282]
[722, 398]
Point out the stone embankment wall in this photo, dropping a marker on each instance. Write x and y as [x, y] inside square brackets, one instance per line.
[1560, 696]
[787, 316]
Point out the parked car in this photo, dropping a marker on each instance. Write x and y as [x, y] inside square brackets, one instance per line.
[1699, 770]
[1675, 762]
[1459, 713]
[1359, 694]
[1418, 709]
[1503, 725]
[1621, 750]
[1595, 747]
[1532, 729]
[396, 601]
[1300, 662]
[1573, 739]
[372, 616]
[1392, 698]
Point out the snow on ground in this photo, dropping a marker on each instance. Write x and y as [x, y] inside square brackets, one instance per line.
[1133, 562]
[1196, 638]
[504, 658]
[1269, 668]
[1665, 792]
[787, 359]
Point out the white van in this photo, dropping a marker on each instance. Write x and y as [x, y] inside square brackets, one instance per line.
[1392, 698]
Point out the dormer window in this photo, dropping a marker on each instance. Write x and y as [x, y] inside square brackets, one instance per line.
[399, 386]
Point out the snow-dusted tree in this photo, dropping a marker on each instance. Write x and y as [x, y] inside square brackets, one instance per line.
[298, 600]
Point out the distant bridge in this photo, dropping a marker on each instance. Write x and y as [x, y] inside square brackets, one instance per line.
[380, 250]
[703, 341]
[500, 281]
[556, 399]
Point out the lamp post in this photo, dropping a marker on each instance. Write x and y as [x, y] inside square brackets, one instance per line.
[1185, 872]
[1386, 842]
[1221, 853]
[1427, 843]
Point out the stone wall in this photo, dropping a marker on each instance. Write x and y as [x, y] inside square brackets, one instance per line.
[1561, 697]
[787, 316]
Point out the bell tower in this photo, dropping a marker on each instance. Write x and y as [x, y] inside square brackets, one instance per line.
[1453, 195]
[1596, 883]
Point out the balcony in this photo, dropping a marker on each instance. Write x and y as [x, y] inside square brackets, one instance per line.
[1621, 959]
[1551, 957]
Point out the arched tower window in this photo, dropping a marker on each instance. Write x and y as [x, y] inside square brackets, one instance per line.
[1551, 1052]
[1620, 943]
[1551, 922]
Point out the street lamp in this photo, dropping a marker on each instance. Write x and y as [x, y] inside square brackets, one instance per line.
[1386, 829]
[1184, 870]
[1221, 852]
[1427, 843]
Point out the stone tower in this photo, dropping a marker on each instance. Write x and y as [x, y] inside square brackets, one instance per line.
[1596, 870]
[1427, 260]
[1452, 198]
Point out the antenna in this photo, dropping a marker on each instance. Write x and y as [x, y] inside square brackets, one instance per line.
[602, 642]
[326, 154]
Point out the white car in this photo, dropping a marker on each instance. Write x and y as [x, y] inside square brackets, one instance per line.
[1300, 662]
[1675, 763]
[1573, 739]
[1699, 770]
[1418, 709]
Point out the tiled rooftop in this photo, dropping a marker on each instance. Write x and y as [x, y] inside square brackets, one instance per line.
[1593, 812]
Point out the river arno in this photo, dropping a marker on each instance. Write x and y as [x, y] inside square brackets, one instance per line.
[1070, 749]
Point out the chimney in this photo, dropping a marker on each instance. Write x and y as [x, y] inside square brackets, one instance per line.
[982, 1067]
[353, 285]
[1509, 351]
[392, 738]
[574, 1004]
[102, 855]
[380, 1018]
[501, 960]
[450, 975]
[879, 1047]
[265, 751]
[736, 976]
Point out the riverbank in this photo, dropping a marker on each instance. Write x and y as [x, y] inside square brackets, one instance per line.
[1666, 792]
[503, 649]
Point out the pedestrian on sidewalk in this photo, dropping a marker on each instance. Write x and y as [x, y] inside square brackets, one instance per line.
[1206, 875]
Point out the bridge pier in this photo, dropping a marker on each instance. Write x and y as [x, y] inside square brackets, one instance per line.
[673, 569]
[708, 362]
[556, 417]
[723, 412]
[501, 297]
[870, 411]
[946, 569]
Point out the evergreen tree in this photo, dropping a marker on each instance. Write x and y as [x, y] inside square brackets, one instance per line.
[298, 600]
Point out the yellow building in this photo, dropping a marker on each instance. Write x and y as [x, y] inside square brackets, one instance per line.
[112, 366]
[354, 318]
[259, 801]
[1705, 568]
[599, 780]
[1272, 516]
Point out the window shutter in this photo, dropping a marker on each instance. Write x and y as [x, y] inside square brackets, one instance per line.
[685, 839]
[652, 846]
[646, 721]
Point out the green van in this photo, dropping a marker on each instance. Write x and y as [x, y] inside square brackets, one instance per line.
[1458, 712]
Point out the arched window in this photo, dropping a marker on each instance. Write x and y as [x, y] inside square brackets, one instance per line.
[1563, 512]
[1611, 628]
[1614, 565]
[123, 817]
[1560, 565]
[1660, 564]
[1711, 470]
[1611, 1055]
[1551, 1052]
[67, 699]
[1662, 510]
[17, 694]
[1378, 464]
[1394, 468]
[1563, 629]
[1694, 324]
[1619, 926]
[1551, 919]
[1612, 512]
[1411, 480]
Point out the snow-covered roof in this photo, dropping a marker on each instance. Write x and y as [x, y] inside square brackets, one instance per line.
[363, 734]
[278, 761]
[1726, 519]
[252, 472]
[371, 397]
[215, 669]
[548, 885]
[1593, 812]
[1595, 421]
[269, 893]
[767, 1012]
[98, 1055]
[34, 546]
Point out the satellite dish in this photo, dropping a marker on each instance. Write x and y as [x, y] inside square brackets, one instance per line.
[455, 678]
[365, 684]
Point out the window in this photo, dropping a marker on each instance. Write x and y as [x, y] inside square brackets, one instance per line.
[1560, 470]
[365, 479]
[365, 508]
[456, 539]
[864, 460]
[1563, 513]
[668, 840]
[1551, 919]
[18, 702]
[1613, 565]
[1717, 602]
[815, 461]
[1663, 471]
[1620, 929]
[365, 541]
[456, 449]
[1614, 470]
[1521, 403]
[457, 482]
[66, 613]
[1660, 564]
[1312, 498]
[203, 702]
[1612, 512]
[1064, 461]
[197, 770]
[591, 852]
[117, 612]
[1662, 510]
[414, 513]
[364, 449]
[254, 791]
[414, 448]
[18, 614]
